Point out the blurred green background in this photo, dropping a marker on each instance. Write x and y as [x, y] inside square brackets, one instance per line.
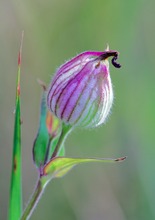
[54, 32]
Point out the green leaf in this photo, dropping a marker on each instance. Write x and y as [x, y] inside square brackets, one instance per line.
[48, 134]
[15, 206]
[42, 139]
[59, 166]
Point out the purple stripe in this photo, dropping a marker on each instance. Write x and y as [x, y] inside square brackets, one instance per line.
[83, 77]
[78, 77]
[89, 115]
[81, 57]
[64, 108]
[63, 69]
[75, 105]
[84, 54]
[104, 108]
[89, 98]
[59, 86]
[101, 107]
[70, 81]
[93, 122]
[68, 64]
[80, 80]
[64, 81]
[63, 99]
[57, 76]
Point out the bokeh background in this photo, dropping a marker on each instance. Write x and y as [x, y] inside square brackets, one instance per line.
[56, 30]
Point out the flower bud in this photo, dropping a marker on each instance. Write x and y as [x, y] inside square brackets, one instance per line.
[81, 93]
[53, 124]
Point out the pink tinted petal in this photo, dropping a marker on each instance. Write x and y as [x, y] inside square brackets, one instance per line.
[81, 91]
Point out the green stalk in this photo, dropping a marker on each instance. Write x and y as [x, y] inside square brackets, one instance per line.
[65, 131]
[43, 181]
[15, 206]
[34, 200]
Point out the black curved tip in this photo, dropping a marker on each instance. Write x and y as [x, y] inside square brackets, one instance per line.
[115, 64]
[110, 53]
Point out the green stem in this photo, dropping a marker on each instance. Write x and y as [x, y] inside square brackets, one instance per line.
[65, 131]
[34, 200]
[43, 181]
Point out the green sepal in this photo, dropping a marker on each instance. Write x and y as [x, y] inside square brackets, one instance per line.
[47, 137]
[41, 141]
[60, 166]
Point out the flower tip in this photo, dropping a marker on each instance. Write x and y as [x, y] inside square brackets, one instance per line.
[113, 61]
[108, 53]
[107, 47]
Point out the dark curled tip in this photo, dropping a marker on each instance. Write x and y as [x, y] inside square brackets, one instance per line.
[110, 53]
[113, 61]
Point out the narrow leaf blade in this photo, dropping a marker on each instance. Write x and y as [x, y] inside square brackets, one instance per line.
[15, 206]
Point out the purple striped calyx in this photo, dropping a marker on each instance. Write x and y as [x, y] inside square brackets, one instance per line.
[80, 93]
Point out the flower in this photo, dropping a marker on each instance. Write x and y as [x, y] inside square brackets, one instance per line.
[81, 93]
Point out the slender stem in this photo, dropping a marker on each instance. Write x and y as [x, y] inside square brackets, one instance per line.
[33, 201]
[65, 131]
[43, 181]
